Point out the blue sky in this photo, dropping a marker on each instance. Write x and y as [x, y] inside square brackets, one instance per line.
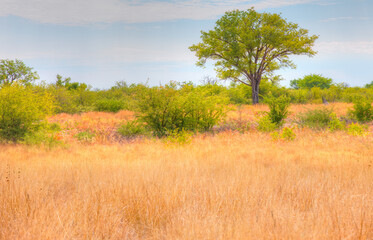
[100, 42]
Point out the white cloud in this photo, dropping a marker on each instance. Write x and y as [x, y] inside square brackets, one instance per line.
[112, 54]
[347, 47]
[79, 12]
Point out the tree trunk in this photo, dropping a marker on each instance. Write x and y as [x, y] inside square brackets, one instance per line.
[255, 91]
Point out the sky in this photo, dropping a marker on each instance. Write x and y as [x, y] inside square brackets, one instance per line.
[101, 42]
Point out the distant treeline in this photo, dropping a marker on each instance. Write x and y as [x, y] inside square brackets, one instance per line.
[73, 97]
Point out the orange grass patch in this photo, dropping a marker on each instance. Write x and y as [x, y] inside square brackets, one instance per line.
[251, 112]
[102, 124]
[230, 186]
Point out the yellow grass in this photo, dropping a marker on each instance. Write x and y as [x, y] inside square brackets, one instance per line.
[227, 186]
[250, 112]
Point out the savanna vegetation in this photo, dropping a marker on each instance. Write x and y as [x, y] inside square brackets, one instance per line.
[190, 161]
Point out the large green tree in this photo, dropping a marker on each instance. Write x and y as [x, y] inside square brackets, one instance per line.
[247, 45]
[15, 70]
[310, 81]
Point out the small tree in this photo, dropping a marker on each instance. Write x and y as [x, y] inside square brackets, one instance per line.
[22, 108]
[248, 45]
[310, 81]
[369, 85]
[15, 70]
[174, 108]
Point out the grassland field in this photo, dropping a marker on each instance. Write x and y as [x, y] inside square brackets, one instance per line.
[227, 185]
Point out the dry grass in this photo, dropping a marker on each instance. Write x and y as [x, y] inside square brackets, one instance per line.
[227, 186]
[250, 112]
[102, 124]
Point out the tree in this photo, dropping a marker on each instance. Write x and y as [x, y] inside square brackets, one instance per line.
[310, 81]
[15, 70]
[247, 45]
[369, 85]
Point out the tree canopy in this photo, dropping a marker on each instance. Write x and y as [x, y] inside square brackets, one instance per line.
[310, 81]
[15, 70]
[247, 45]
[369, 85]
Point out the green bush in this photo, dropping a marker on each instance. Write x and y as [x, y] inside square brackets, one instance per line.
[287, 134]
[132, 129]
[64, 100]
[334, 123]
[278, 109]
[72, 97]
[109, 105]
[356, 129]
[315, 119]
[362, 111]
[166, 109]
[85, 136]
[179, 137]
[265, 124]
[22, 110]
[44, 134]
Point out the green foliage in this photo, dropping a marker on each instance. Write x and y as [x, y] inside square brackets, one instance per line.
[166, 109]
[265, 124]
[22, 109]
[179, 137]
[362, 111]
[336, 93]
[286, 134]
[85, 136]
[278, 109]
[246, 45]
[311, 81]
[369, 85]
[278, 112]
[66, 83]
[356, 129]
[65, 100]
[44, 134]
[12, 71]
[334, 123]
[239, 94]
[131, 129]
[72, 97]
[316, 119]
[109, 105]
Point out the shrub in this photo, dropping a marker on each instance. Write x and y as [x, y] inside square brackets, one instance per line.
[21, 110]
[278, 109]
[356, 129]
[287, 134]
[45, 134]
[334, 123]
[64, 100]
[85, 136]
[179, 137]
[132, 129]
[362, 111]
[266, 125]
[109, 105]
[166, 109]
[315, 119]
